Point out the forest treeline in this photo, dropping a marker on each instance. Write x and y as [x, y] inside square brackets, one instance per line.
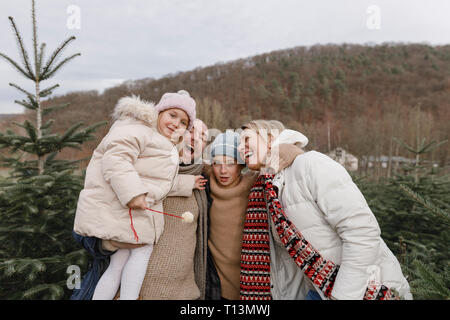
[364, 98]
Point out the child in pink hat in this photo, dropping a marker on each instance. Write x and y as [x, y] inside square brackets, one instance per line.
[181, 100]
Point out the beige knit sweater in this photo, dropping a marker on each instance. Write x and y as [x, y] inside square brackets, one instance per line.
[164, 278]
[177, 266]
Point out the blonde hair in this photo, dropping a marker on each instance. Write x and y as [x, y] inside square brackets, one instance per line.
[265, 127]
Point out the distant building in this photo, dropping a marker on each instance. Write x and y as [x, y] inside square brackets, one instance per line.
[349, 161]
[384, 161]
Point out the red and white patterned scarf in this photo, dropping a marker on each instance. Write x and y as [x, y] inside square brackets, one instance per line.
[255, 255]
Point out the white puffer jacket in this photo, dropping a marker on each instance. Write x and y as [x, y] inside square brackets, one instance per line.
[321, 200]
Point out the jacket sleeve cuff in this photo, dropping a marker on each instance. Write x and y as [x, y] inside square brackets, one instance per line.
[350, 284]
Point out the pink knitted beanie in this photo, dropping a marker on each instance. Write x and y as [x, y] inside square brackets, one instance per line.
[181, 100]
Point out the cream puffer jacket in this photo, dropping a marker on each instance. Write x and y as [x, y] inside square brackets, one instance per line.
[321, 200]
[132, 159]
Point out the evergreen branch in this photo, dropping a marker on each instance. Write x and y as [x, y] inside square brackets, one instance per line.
[50, 158]
[54, 108]
[12, 266]
[431, 147]
[63, 173]
[47, 124]
[41, 56]
[432, 279]
[56, 290]
[425, 202]
[50, 73]
[13, 140]
[23, 229]
[29, 94]
[31, 130]
[422, 147]
[32, 292]
[50, 162]
[54, 55]
[85, 134]
[70, 131]
[40, 262]
[29, 146]
[79, 254]
[16, 66]
[25, 104]
[25, 58]
[406, 146]
[33, 101]
[94, 127]
[35, 39]
[17, 124]
[46, 92]
[74, 145]
[49, 137]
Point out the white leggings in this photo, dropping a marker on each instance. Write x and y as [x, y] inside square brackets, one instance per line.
[127, 268]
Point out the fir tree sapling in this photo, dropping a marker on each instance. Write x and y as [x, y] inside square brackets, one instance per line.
[412, 209]
[38, 199]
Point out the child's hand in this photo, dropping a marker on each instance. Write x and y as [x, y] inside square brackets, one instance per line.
[138, 202]
[200, 182]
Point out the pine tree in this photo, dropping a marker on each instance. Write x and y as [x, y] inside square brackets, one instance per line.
[428, 284]
[38, 199]
[412, 209]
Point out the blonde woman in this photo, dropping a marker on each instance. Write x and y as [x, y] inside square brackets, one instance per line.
[315, 203]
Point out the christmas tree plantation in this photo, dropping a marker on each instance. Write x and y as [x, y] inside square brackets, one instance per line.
[412, 209]
[38, 199]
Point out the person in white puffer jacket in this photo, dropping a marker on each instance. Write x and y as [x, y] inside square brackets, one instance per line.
[321, 200]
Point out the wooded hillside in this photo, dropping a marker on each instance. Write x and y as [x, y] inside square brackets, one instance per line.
[364, 95]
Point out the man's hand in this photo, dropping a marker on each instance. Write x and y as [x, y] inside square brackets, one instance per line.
[200, 182]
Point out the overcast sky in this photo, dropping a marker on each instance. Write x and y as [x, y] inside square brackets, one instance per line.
[135, 39]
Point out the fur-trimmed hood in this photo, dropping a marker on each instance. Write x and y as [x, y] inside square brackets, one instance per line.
[133, 106]
[291, 137]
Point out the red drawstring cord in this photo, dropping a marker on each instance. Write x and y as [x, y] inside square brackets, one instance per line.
[172, 215]
[131, 220]
[132, 227]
